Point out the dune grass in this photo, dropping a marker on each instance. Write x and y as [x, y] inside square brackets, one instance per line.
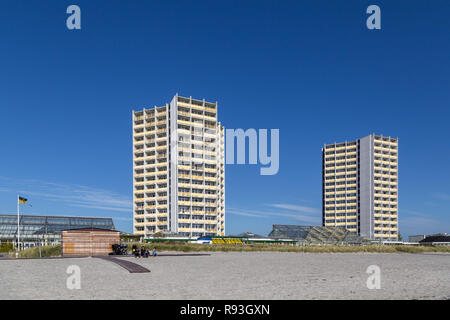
[46, 251]
[6, 247]
[192, 247]
[55, 251]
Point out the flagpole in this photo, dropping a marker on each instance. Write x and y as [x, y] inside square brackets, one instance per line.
[18, 226]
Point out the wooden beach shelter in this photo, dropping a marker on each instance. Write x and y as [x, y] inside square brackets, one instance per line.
[88, 241]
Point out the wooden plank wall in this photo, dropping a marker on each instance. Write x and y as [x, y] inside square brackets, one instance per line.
[95, 242]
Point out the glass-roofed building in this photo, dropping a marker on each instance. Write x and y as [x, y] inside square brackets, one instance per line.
[315, 234]
[45, 229]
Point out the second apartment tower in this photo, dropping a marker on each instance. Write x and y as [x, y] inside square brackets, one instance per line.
[179, 169]
[360, 186]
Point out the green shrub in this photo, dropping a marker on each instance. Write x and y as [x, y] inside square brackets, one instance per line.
[6, 247]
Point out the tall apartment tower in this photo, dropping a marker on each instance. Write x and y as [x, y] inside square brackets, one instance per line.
[179, 169]
[360, 186]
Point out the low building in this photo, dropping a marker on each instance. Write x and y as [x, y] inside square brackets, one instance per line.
[315, 234]
[416, 238]
[88, 241]
[45, 230]
[440, 239]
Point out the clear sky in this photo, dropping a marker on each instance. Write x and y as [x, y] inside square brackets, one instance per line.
[309, 68]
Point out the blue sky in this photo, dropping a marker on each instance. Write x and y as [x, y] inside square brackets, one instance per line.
[310, 68]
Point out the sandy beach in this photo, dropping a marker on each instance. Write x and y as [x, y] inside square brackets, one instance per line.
[233, 275]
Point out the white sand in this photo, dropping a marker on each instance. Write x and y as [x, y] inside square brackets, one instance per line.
[234, 275]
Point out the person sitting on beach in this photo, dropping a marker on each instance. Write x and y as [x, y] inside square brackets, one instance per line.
[135, 251]
[154, 252]
[142, 252]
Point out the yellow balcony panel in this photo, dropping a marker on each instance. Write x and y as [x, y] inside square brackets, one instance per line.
[162, 214]
[381, 235]
[184, 194]
[210, 118]
[350, 225]
[198, 221]
[187, 123]
[210, 134]
[184, 104]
